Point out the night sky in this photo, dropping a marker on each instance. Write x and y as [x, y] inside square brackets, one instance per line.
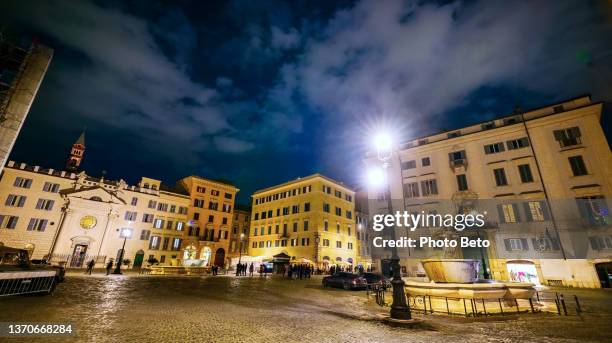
[260, 92]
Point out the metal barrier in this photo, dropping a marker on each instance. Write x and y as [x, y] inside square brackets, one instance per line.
[468, 307]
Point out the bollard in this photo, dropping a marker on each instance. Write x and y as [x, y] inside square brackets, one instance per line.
[578, 308]
[464, 307]
[484, 307]
[563, 304]
[531, 305]
[448, 309]
[501, 308]
[517, 306]
[557, 303]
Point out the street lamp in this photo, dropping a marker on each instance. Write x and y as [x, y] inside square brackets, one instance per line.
[125, 234]
[384, 151]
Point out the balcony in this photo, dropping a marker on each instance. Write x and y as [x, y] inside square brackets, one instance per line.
[458, 163]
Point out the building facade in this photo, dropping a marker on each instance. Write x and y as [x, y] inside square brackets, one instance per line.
[21, 73]
[543, 179]
[74, 218]
[210, 220]
[310, 219]
[239, 236]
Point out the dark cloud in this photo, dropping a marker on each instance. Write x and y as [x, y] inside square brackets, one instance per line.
[264, 91]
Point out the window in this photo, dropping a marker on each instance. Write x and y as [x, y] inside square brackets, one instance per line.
[338, 194]
[425, 161]
[154, 243]
[409, 165]
[285, 229]
[494, 148]
[525, 173]
[326, 189]
[37, 224]
[198, 203]
[508, 213]
[172, 208]
[147, 218]
[348, 230]
[211, 218]
[134, 201]
[518, 143]
[200, 189]
[9, 223]
[51, 187]
[326, 242]
[176, 244]
[294, 242]
[255, 232]
[284, 243]
[307, 207]
[254, 244]
[22, 182]
[578, 166]
[349, 214]
[179, 226]
[516, 244]
[429, 187]
[462, 184]
[337, 227]
[213, 205]
[182, 210]
[45, 204]
[276, 229]
[568, 137]
[326, 225]
[196, 216]
[295, 227]
[15, 200]
[500, 177]
[326, 208]
[338, 244]
[228, 209]
[594, 210]
[349, 246]
[131, 216]
[162, 207]
[338, 211]
[545, 243]
[227, 195]
[145, 234]
[488, 126]
[601, 242]
[158, 224]
[256, 216]
[457, 158]
[305, 225]
[411, 190]
[165, 243]
[536, 211]
[214, 192]
[152, 204]
[348, 198]
[295, 209]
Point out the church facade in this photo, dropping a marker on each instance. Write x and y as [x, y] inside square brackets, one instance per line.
[71, 217]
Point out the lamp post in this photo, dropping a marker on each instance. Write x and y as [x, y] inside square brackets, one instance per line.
[125, 233]
[399, 308]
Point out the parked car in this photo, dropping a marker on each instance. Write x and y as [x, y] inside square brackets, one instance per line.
[377, 279]
[345, 280]
[19, 276]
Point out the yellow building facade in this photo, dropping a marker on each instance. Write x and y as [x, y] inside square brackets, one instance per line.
[239, 236]
[210, 220]
[309, 219]
[542, 177]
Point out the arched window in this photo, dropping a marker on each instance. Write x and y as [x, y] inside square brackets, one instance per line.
[146, 185]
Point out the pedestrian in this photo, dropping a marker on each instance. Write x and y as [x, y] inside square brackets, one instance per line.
[90, 266]
[251, 270]
[261, 269]
[109, 266]
[289, 272]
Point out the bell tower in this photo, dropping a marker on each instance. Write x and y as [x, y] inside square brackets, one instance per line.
[76, 154]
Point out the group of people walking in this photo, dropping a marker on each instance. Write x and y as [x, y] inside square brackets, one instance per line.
[241, 269]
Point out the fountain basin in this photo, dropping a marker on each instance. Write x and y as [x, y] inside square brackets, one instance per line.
[489, 290]
[451, 270]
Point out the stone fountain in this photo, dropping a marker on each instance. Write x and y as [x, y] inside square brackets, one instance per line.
[458, 278]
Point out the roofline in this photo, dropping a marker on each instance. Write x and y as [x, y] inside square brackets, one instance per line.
[300, 179]
[213, 181]
[505, 116]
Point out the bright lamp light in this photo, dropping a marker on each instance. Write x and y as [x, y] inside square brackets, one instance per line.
[383, 141]
[376, 177]
[126, 233]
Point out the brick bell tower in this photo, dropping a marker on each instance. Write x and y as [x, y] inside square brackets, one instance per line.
[76, 154]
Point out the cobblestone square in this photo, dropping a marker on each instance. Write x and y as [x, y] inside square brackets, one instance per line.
[229, 309]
